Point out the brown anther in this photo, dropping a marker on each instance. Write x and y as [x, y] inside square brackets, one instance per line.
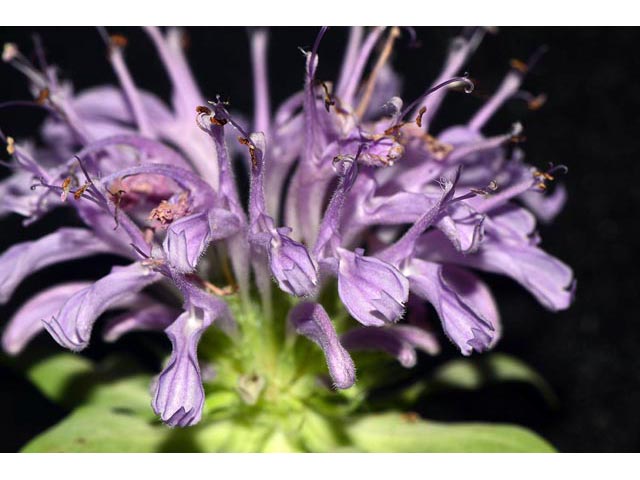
[117, 199]
[221, 292]
[118, 40]
[43, 96]
[518, 65]
[537, 102]
[79, 192]
[328, 99]
[548, 176]
[518, 139]
[252, 150]
[493, 185]
[11, 147]
[152, 262]
[419, 117]
[66, 186]
[218, 122]
[204, 110]
[541, 186]
[185, 40]
[394, 130]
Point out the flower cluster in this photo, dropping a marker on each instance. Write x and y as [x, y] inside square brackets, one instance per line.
[376, 204]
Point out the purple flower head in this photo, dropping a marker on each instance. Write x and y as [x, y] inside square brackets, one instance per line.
[343, 166]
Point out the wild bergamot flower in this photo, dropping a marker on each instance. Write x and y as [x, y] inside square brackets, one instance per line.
[378, 212]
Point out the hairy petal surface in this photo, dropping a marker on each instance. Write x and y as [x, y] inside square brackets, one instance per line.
[311, 320]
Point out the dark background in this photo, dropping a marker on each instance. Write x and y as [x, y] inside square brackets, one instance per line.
[591, 123]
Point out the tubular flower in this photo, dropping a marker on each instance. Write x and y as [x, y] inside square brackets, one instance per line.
[378, 208]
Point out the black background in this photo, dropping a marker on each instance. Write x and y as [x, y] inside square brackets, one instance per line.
[591, 123]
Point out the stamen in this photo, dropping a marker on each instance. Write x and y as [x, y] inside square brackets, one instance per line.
[9, 52]
[220, 292]
[79, 192]
[371, 81]
[11, 148]
[329, 101]
[252, 150]
[66, 186]
[518, 65]
[314, 51]
[218, 122]
[468, 88]
[43, 96]
[421, 112]
[222, 115]
[203, 110]
[537, 102]
[117, 199]
[119, 41]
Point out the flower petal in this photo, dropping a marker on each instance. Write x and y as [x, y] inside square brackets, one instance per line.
[178, 394]
[152, 317]
[374, 292]
[72, 326]
[464, 304]
[25, 258]
[291, 265]
[26, 323]
[312, 321]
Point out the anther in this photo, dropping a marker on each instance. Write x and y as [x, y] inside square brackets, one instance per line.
[11, 148]
[328, 99]
[9, 52]
[203, 110]
[117, 196]
[537, 102]
[252, 150]
[66, 187]
[79, 192]
[518, 65]
[43, 96]
[219, 122]
[119, 41]
[421, 113]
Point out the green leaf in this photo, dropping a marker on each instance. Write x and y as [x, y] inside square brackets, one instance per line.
[62, 377]
[72, 380]
[395, 432]
[98, 429]
[475, 373]
[128, 394]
